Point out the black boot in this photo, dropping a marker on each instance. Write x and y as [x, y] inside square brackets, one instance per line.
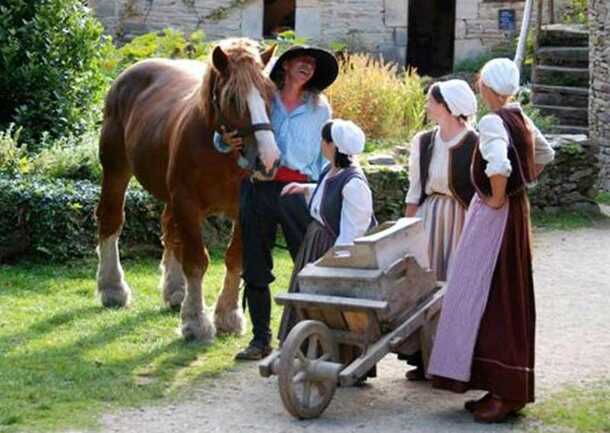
[258, 300]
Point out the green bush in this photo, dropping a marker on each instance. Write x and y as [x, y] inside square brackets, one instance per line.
[168, 43]
[55, 218]
[68, 157]
[576, 12]
[50, 74]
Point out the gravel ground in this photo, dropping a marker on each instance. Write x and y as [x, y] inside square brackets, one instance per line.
[572, 275]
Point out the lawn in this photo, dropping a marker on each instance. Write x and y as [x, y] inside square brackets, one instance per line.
[64, 359]
[583, 409]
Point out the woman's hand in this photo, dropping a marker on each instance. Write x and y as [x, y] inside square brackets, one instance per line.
[293, 188]
[231, 139]
[410, 210]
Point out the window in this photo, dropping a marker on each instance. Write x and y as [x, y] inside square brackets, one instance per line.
[279, 17]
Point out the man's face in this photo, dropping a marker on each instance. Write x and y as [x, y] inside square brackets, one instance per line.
[300, 69]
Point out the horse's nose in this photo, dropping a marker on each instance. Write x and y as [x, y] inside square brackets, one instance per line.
[268, 152]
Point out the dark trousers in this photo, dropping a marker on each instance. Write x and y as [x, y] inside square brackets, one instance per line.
[262, 210]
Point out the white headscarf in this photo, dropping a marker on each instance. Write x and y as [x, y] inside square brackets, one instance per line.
[459, 97]
[502, 76]
[347, 136]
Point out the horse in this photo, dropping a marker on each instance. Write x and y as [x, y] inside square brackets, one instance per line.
[158, 125]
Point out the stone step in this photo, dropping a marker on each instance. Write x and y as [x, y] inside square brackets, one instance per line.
[560, 96]
[562, 35]
[570, 129]
[562, 76]
[565, 115]
[564, 56]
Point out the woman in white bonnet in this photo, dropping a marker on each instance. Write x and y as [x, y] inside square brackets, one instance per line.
[485, 336]
[341, 203]
[440, 189]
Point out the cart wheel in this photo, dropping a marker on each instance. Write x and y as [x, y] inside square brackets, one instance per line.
[303, 396]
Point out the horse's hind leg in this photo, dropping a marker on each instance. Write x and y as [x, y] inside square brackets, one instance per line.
[229, 317]
[111, 285]
[194, 258]
[173, 283]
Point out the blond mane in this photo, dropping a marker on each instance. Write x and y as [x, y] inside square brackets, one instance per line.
[244, 70]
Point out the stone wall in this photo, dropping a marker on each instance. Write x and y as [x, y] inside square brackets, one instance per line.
[375, 26]
[599, 96]
[568, 183]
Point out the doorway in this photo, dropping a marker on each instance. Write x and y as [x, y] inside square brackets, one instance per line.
[431, 36]
[279, 17]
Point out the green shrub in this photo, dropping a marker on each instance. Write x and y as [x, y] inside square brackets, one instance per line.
[50, 75]
[168, 43]
[55, 218]
[68, 157]
[576, 12]
[13, 158]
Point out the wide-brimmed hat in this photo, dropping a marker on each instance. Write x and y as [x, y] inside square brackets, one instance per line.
[327, 67]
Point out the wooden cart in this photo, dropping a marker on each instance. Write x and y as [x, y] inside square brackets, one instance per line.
[365, 309]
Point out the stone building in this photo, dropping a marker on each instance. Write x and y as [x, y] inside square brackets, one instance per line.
[430, 34]
[599, 96]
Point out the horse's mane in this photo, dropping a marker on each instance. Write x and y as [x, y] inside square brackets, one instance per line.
[244, 70]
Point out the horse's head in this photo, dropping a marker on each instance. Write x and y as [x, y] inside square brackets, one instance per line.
[237, 95]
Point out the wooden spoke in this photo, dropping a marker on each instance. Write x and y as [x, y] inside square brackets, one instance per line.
[307, 393]
[312, 348]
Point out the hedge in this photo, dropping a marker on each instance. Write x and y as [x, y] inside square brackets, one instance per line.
[54, 219]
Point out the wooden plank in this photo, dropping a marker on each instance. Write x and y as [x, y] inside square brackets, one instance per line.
[314, 314]
[341, 303]
[379, 349]
[357, 322]
[334, 319]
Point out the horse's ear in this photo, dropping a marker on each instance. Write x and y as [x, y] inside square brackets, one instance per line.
[268, 54]
[220, 59]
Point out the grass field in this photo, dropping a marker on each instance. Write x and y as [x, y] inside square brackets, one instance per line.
[63, 358]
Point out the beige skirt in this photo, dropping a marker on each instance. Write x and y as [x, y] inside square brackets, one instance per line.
[443, 219]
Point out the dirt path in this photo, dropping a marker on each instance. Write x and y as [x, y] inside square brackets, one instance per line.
[572, 274]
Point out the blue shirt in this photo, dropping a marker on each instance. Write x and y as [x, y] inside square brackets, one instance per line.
[297, 134]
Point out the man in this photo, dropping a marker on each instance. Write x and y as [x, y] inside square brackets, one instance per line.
[297, 116]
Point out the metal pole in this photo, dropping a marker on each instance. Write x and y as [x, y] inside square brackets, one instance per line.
[521, 45]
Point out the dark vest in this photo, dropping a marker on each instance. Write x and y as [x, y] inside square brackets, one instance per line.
[460, 158]
[520, 154]
[332, 199]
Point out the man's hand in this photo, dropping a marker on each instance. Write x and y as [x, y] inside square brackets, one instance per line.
[231, 139]
[293, 188]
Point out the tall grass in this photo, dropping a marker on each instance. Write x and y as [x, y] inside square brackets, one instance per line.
[386, 103]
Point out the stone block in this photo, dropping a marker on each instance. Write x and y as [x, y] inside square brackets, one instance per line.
[467, 9]
[401, 36]
[308, 23]
[396, 13]
[252, 20]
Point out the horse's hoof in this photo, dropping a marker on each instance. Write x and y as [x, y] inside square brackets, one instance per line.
[173, 300]
[231, 322]
[198, 329]
[115, 296]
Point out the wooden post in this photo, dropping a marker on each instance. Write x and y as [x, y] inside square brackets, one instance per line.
[522, 44]
[551, 11]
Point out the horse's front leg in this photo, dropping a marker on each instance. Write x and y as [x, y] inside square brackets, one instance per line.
[194, 258]
[173, 282]
[229, 316]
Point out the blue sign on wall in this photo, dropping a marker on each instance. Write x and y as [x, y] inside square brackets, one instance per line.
[507, 20]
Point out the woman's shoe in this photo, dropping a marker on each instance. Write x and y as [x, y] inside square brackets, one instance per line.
[496, 410]
[472, 405]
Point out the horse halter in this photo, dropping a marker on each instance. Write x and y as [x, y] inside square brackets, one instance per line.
[250, 155]
[247, 131]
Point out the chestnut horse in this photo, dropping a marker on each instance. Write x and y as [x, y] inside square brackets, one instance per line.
[159, 120]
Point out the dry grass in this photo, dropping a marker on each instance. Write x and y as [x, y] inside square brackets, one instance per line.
[386, 103]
